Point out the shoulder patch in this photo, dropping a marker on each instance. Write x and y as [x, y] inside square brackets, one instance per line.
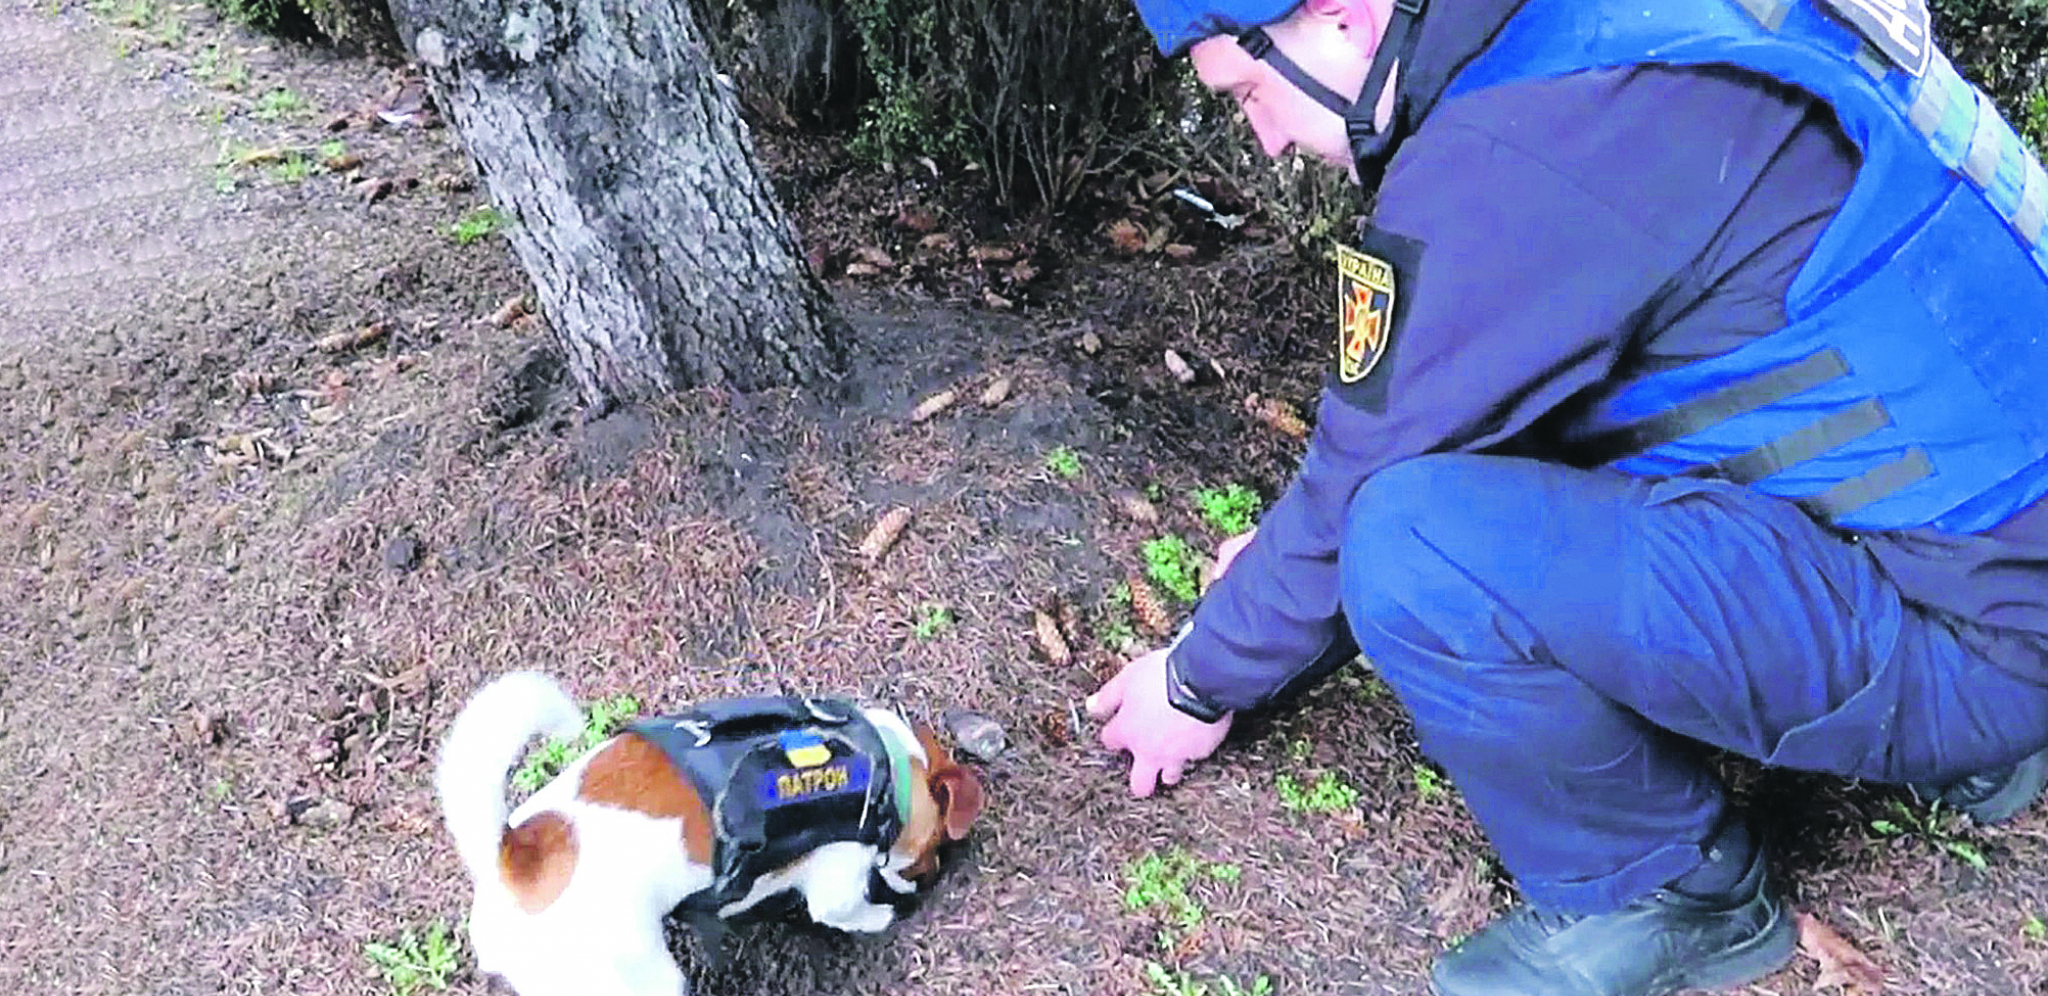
[1365, 312]
[1373, 282]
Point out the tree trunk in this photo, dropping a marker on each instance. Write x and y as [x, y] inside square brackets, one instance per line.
[609, 141]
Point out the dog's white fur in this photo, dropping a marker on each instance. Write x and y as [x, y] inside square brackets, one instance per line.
[602, 935]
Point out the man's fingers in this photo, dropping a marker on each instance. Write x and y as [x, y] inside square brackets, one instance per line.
[1103, 704]
[1112, 736]
[1144, 776]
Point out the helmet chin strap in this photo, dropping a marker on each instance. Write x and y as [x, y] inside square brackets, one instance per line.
[1358, 114]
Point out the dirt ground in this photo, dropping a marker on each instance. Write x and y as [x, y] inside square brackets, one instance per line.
[247, 580]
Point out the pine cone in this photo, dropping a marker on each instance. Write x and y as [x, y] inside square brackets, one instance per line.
[883, 536]
[1140, 510]
[1277, 415]
[933, 405]
[1050, 642]
[1151, 615]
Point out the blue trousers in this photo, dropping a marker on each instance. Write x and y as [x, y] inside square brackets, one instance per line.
[1566, 640]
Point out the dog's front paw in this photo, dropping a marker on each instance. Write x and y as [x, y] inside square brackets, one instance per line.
[867, 918]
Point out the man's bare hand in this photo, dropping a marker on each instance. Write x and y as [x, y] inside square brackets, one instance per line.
[1162, 740]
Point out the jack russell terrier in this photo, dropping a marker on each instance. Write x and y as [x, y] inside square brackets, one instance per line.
[816, 803]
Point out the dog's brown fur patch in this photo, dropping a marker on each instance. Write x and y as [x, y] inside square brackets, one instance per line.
[537, 858]
[632, 773]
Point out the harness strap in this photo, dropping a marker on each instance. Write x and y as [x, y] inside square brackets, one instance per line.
[1396, 47]
[1715, 407]
[1870, 487]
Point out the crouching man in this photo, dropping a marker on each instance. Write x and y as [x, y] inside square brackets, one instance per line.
[1687, 391]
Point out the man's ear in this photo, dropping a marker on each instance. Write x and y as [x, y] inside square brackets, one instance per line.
[958, 794]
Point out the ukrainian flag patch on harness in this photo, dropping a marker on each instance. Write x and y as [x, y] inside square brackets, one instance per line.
[1365, 312]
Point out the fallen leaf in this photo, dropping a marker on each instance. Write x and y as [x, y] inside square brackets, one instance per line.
[874, 257]
[859, 269]
[511, 311]
[1179, 250]
[1091, 343]
[937, 242]
[1127, 235]
[261, 157]
[1179, 367]
[992, 254]
[1842, 965]
[342, 163]
[1158, 237]
[996, 301]
[917, 219]
[996, 392]
[376, 190]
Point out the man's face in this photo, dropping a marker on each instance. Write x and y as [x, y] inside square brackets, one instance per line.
[1324, 39]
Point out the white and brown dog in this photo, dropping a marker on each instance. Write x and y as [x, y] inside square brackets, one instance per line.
[571, 893]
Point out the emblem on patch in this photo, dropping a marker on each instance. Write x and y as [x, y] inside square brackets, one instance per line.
[1365, 312]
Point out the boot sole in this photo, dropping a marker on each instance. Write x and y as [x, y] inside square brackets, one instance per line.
[2017, 795]
[1767, 952]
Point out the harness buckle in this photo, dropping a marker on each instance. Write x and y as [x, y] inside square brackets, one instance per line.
[1256, 42]
[699, 731]
[826, 714]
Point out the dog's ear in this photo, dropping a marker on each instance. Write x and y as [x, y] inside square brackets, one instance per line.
[958, 794]
[955, 789]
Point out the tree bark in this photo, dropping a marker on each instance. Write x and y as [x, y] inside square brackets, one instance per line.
[614, 148]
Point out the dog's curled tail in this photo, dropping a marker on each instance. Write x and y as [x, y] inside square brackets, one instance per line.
[488, 738]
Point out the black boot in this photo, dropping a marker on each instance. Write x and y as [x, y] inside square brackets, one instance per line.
[1659, 944]
[1997, 795]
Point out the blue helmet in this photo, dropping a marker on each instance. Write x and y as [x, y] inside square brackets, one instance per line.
[1177, 24]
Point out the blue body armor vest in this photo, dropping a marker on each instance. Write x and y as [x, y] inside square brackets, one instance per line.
[1907, 388]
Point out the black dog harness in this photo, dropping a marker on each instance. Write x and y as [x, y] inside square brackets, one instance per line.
[783, 775]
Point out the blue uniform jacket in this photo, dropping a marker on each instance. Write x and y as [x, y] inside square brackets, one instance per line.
[1558, 236]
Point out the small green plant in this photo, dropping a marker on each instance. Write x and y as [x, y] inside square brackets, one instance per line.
[279, 103]
[2034, 123]
[1231, 509]
[2034, 930]
[415, 961]
[547, 760]
[136, 14]
[1166, 982]
[1428, 783]
[222, 788]
[476, 225]
[932, 619]
[1931, 825]
[333, 148]
[206, 64]
[1171, 564]
[1113, 624]
[1329, 794]
[1062, 460]
[293, 168]
[1159, 882]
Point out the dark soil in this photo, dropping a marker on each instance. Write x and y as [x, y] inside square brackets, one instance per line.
[247, 582]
